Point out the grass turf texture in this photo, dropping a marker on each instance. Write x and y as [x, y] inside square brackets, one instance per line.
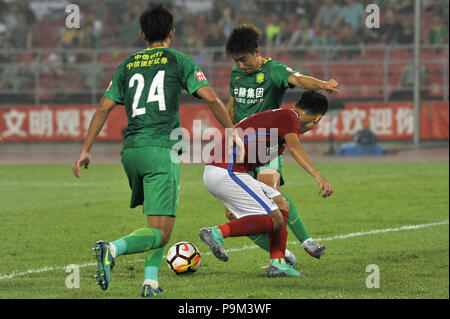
[50, 220]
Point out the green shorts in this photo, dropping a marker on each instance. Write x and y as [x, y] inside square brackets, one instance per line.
[154, 179]
[276, 164]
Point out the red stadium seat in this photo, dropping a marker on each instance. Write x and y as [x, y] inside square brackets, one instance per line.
[45, 33]
[315, 70]
[366, 80]
[394, 73]
[283, 57]
[220, 77]
[27, 58]
[375, 54]
[435, 74]
[315, 56]
[400, 54]
[105, 57]
[432, 54]
[436, 79]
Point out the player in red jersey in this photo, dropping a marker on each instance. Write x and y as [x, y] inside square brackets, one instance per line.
[258, 207]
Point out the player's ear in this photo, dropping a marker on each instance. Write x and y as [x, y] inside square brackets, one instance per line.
[257, 52]
[317, 118]
[172, 33]
[143, 36]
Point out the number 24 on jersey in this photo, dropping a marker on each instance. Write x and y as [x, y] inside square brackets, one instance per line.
[155, 94]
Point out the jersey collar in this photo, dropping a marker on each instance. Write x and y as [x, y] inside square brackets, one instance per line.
[161, 47]
[265, 61]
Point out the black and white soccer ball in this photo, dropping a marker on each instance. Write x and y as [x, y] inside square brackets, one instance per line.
[183, 257]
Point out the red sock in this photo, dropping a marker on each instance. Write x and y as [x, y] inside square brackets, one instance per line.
[278, 239]
[247, 226]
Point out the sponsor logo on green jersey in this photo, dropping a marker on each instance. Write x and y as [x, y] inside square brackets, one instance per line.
[260, 77]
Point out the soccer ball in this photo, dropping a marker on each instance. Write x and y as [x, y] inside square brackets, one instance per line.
[183, 257]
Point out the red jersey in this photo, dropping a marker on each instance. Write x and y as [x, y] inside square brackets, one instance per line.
[263, 136]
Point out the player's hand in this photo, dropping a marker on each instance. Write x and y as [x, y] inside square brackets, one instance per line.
[325, 187]
[331, 86]
[83, 160]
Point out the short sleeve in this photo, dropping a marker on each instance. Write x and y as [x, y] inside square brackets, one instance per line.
[232, 88]
[115, 90]
[192, 77]
[233, 76]
[280, 74]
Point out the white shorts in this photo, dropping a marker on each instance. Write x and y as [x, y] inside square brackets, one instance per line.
[239, 192]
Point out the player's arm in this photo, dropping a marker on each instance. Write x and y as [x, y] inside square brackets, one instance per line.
[231, 108]
[309, 82]
[97, 122]
[215, 105]
[300, 156]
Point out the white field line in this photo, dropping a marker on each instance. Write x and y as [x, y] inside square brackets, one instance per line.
[58, 184]
[15, 274]
[45, 184]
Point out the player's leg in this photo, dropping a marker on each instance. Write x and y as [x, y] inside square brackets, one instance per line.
[242, 194]
[151, 241]
[252, 203]
[153, 258]
[272, 177]
[270, 174]
[262, 240]
[277, 241]
[297, 226]
[161, 185]
[244, 226]
[106, 252]
[278, 238]
[154, 181]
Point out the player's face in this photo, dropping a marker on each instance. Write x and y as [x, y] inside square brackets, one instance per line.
[309, 121]
[247, 62]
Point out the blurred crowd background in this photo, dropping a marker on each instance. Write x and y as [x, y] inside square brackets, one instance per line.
[42, 61]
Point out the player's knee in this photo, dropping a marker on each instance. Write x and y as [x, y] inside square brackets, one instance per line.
[230, 216]
[164, 224]
[282, 203]
[164, 240]
[277, 219]
[165, 237]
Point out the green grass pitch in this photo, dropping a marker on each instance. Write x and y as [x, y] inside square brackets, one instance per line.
[50, 220]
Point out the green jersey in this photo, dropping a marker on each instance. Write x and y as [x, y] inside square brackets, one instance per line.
[149, 84]
[259, 91]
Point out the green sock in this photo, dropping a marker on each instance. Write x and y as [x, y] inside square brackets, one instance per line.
[295, 222]
[139, 241]
[153, 259]
[262, 240]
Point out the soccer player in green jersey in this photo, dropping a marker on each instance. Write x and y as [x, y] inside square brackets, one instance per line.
[258, 84]
[149, 84]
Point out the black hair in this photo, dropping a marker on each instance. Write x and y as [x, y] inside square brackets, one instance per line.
[243, 39]
[156, 23]
[313, 102]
